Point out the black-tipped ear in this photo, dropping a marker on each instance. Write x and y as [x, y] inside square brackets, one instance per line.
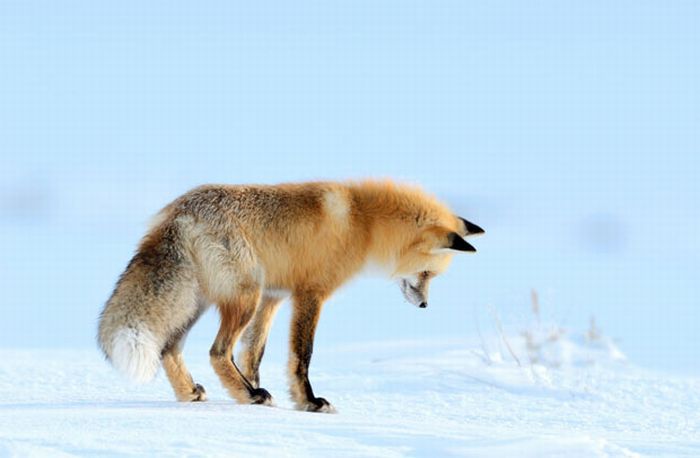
[472, 229]
[455, 242]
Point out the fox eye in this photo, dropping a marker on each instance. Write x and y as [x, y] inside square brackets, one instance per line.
[426, 274]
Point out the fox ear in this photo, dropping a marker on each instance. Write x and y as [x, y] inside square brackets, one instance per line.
[471, 228]
[456, 242]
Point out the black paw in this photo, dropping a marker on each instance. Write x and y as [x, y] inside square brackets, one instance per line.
[319, 405]
[260, 396]
[199, 393]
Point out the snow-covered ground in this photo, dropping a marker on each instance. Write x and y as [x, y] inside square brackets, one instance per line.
[540, 393]
[567, 130]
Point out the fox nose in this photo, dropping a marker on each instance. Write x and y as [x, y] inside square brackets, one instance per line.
[423, 305]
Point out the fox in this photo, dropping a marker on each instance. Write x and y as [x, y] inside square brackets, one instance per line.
[247, 248]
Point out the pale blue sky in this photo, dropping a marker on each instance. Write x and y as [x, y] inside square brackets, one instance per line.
[569, 130]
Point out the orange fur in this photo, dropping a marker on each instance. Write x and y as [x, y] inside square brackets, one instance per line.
[232, 245]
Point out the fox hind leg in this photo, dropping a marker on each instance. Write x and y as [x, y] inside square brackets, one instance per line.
[235, 315]
[255, 336]
[186, 390]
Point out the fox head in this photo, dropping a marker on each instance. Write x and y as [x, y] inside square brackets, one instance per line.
[428, 254]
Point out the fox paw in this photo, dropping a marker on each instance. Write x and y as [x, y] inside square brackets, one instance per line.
[198, 394]
[318, 405]
[261, 396]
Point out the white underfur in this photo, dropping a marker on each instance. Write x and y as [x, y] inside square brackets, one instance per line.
[220, 275]
[373, 268]
[277, 293]
[336, 205]
[136, 353]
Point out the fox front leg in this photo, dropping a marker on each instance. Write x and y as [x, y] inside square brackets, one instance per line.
[306, 310]
[255, 337]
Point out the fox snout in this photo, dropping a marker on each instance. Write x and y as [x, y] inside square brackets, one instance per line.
[416, 294]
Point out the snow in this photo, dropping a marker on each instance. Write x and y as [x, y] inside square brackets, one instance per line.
[568, 133]
[399, 398]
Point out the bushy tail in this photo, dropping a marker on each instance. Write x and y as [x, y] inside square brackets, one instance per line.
[139, 317]
[125, 337]
[135, 352]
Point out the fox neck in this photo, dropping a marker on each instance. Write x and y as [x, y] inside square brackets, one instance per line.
[387, 220]
[385, 248]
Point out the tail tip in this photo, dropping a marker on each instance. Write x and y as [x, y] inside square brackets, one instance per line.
[136, 353]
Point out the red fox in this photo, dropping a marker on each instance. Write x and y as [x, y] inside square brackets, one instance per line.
[247, 248]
